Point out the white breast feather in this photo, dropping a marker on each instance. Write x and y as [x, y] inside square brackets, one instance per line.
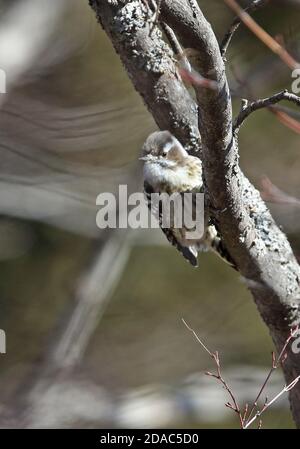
[155, 174]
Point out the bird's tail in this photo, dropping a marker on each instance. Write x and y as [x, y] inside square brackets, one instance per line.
[190, 253]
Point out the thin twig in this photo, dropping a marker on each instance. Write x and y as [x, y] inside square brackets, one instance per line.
[236, 23]
[185, 69]
[263, 103]
[155, 19]
[287, 116]
[262, 35]
[173, 41]
[245, 418]
[275, 364]
[268, 404]
[215, 356]
[197, 338]
[176, 47]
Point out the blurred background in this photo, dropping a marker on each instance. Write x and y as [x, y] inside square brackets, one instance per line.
[93, 319]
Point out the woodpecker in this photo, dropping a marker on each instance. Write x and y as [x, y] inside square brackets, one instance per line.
[168, 168]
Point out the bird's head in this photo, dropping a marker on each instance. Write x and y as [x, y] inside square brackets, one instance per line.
[162, 148]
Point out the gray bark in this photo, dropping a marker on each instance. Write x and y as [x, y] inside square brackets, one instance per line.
[261, 251]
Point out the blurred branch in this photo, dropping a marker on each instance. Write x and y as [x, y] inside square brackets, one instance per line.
[262, 35]
[286, 119]
[273, 194]
[236, 24]
[24, 33]
[258, 247]
[94, 289]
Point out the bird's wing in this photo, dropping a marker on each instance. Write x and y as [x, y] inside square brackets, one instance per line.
[173, 235]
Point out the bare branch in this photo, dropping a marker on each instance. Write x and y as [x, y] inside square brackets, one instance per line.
[246, 419]
[176, 47]
[253, 106]
[256, 4]
[275, 363]
[262, 35]
[218, 376]
[286, 389]
[150, 64]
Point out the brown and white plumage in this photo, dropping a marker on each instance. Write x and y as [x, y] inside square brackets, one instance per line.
[168, 168]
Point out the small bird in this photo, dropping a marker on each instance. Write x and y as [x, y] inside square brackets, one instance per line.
[168, 168]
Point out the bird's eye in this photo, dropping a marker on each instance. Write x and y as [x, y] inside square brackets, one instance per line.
[164, 154]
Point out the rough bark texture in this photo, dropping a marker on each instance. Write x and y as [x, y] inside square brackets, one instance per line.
[261, 251]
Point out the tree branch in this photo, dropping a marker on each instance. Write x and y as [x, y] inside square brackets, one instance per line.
[151, 67]
[248, 108]
[236, 24]
[262, 35]
[259, 248]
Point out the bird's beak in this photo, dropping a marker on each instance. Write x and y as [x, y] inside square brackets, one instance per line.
[146, 158]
